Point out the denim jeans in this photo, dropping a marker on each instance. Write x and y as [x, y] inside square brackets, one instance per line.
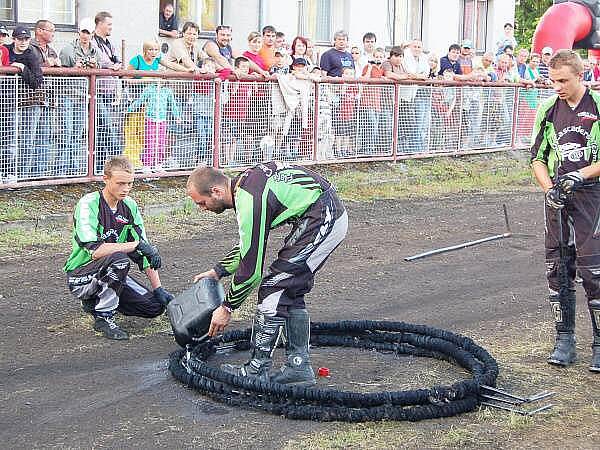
[34, 141]
[72, 153]
[368, 120]
[108, 141]
[202, 111]
[420, 141]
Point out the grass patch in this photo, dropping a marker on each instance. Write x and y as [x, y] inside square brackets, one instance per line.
[15, 210]
[434, 177]
[17, 241]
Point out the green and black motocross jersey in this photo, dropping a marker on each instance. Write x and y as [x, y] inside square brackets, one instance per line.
[565, 138]
[94, 223]
[264, 197]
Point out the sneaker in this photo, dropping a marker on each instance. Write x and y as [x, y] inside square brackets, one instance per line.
[110, 329]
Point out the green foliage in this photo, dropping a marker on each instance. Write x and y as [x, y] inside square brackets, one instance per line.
[527, 15]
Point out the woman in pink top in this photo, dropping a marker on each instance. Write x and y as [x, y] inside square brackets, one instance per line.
[257, 121]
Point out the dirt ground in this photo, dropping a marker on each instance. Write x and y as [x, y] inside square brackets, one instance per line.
[63, 386]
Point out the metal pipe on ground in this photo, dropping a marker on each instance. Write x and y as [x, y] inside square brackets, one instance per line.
[508, 233]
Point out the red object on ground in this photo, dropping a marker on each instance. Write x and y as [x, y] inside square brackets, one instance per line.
[323, 371]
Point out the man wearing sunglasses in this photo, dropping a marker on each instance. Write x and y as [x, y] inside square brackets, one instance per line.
[44, 34]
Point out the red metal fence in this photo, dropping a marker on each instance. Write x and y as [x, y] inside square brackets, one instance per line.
[168, 123]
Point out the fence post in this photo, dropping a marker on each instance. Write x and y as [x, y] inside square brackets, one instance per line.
[514, 118]
[92, 128]
[315, 135]
[216, 123]
[395, 119]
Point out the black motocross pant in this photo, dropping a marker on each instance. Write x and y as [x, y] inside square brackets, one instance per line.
[581, 231]
[313, 238]
[106, 284]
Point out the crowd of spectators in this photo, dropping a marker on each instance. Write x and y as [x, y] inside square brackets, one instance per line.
[356, 116]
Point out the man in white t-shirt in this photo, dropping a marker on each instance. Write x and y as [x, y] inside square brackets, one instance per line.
[417, 65]
[366, 56]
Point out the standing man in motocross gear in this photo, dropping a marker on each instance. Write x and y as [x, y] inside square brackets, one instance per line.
[264, 197]
[108, 233]
[566, 137]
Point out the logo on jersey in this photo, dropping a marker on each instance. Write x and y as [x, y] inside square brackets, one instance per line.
[587, 116]
[120, 219]
[571, 151]
[108, 233]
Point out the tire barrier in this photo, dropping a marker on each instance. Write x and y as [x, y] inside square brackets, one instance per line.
[294, 402]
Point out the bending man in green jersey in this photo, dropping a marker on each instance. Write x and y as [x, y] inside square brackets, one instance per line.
[564, 154]
[108, 233]
[265, 197]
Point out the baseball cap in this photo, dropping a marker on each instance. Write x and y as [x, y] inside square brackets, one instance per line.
[21, 32]
[547, 51]
[299, 62]
[87, 24]
[467, 43]
[3, 30]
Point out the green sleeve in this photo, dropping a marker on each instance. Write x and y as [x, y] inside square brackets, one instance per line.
[540, 148]
[229, 263]
[254, 230]
[87, 226]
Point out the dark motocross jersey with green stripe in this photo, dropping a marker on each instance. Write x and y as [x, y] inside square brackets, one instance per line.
[265, 197]
[94, 223]
[564, 138]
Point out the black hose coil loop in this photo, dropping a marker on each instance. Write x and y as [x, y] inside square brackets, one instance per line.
[296, 402]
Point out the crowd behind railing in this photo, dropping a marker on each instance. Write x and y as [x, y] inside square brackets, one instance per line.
[62, 114]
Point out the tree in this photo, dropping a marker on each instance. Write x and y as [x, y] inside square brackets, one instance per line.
[527, 15]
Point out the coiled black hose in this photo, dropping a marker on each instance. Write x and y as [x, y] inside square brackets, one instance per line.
[312, 403]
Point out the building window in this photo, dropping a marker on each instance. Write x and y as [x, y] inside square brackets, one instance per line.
[206, 13]
[409, 20]
[318, 20]
[474, 22]
[6, 10]
[59, 12]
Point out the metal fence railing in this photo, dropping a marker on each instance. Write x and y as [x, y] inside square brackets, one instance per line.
[168, 123]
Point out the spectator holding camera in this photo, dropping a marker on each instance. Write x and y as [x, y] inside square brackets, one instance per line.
[108, 92]
[80, 52]
[73, 101]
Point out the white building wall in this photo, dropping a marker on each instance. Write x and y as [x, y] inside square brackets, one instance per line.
[441, 25]
[243, 17]
[137, 20]
[371, 16]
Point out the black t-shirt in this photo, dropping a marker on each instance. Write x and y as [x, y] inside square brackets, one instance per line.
[169, 24]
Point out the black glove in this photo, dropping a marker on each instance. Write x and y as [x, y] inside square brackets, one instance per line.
[570, 181]
[162, 295]
[556, 197]
[150, 252]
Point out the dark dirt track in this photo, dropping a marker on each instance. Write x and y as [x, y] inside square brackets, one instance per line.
[71, 388]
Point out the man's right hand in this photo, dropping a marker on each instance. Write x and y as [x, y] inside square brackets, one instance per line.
[150, 252]
[556, 197]
[208, 274]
